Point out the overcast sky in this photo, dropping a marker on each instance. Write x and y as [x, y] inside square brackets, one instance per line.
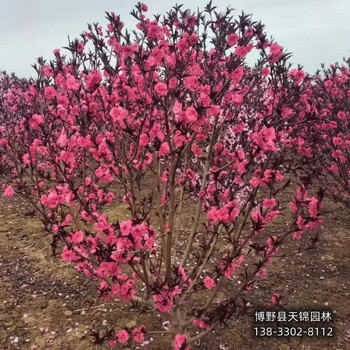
[314, 31]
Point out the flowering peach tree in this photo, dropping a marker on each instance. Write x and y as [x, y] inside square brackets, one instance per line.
[330, 138]
[171, 121]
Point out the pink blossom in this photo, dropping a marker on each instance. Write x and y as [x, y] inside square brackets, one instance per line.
[179, 139]
[36, 120]
[67, 220]
[87, 181]
[341, 115]
[213, 110]
[275, 52]
[338, 141]
[52, 200]
[276, 299]
[180, 341]
[62, 140]
[255, 182]
[300, 222]
[249, 32]
[102, 224]
[238, 180]
[297, 235]
[293, 207]
[125, 227]
[191, 83]
[237, 75]
[163, 300]
[93, 80]
[165, 176]
[334, 169]
[297, 75]
[112, 343]
[193, 39]
[77, 237]
[47, 71]
[127, 50]
[232, 39]
[201, 324]
[69, 255]
[229, 270]
[103, 174]
[213, 215]
[80, 47]
[242, 51]
[50, 92]
[313, 207]
[139, 334]
[9, 192]
[144, 7]
[173, 83]
[182, 273]
[119, 115]
[265, 71]
[263, 273]
[237, 99]
[209, 283]
[196, 150]
[154, 32]
[144, 140]
[157, 132]
[123, 336]
[286, 112]
[256, 216]
[269, 203]
[204, 99]
[177, 107]
[272, 215]
[161, 89]
[71, 82]
[69, 158]
[183, 45]
[328, 85]
[164, 149]
[191, 115]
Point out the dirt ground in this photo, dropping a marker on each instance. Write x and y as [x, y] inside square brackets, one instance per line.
[46, 304]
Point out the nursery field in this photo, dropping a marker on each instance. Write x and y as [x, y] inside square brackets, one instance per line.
[157, 191]
[46, 304]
